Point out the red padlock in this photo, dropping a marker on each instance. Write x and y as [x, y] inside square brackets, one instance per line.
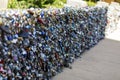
[39, 20]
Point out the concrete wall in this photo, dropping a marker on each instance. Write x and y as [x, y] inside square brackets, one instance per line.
[3, 4]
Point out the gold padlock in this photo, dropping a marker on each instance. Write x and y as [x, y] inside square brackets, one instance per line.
[1, 22]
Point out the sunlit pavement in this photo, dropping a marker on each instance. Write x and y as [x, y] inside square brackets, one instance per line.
[115, 35]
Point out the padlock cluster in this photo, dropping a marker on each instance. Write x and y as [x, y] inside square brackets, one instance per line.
[36, 44]
[113, 16]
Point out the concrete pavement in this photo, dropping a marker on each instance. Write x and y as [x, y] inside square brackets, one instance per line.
[102, 62]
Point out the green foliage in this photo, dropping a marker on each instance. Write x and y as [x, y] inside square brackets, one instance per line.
[12, 4]
[41, 3]
[90, 3]
[24, 3]
[56, 4]
[49, 1]
[36, 3]
[64, 1]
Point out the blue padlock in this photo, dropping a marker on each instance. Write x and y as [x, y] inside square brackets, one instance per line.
[42, 14]
[10, 38]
